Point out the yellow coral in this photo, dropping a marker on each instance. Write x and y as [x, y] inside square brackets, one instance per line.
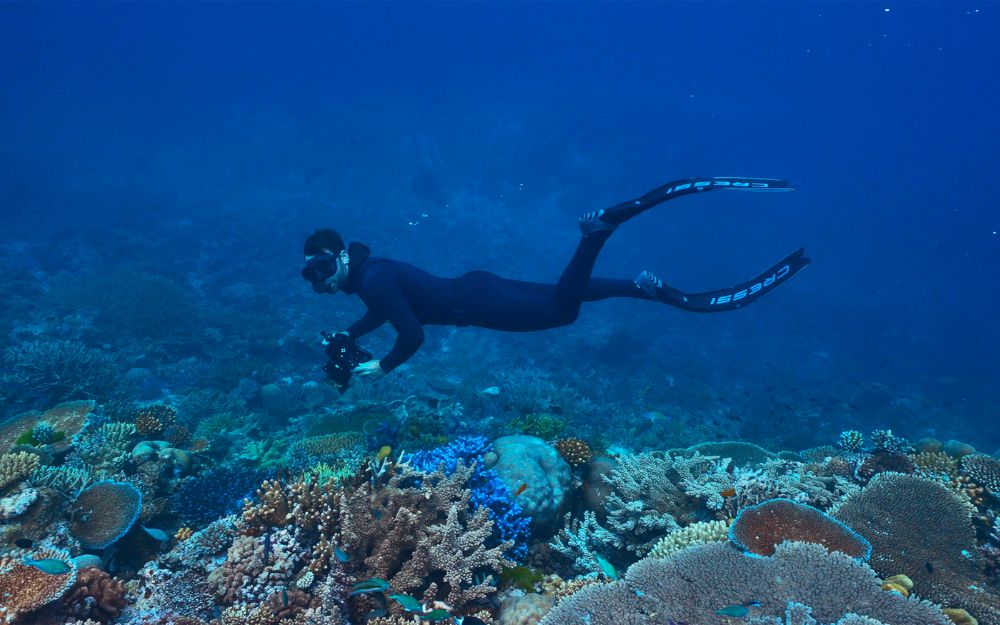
[16, 467]
[960, 616]
[694, 534]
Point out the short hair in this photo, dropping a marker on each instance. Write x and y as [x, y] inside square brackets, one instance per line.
[323, 239]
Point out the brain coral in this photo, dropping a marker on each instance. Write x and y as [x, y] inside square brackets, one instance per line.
[529, 460]
[692, 584]
[920, 528]
[25, 588]
[759, 529]
[104, 513]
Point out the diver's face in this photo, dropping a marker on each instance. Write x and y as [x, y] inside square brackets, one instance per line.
[326, 272]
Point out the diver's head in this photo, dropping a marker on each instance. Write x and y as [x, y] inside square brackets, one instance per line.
[327, 261]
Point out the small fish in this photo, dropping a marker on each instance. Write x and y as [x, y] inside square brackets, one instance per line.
[607, 568]
[383, 453]
[375, 584]
[520, 489]
[929, 567]
[728, 492]
[492, 390]
[341, 554]
[738, 610]
[435, 615]
[24, 543]
[51, 566]
[410, 604]
[157, 534]
[267, 548]
[377, 612]
[468, 620]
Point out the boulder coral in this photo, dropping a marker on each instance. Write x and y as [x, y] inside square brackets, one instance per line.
[760, 529]
[530, 460]
[104, 512]
[691, 585]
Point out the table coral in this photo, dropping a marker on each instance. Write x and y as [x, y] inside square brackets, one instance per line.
[919, 527]
[24, 589]
[104, 512]
[692, 584]
[760, 529]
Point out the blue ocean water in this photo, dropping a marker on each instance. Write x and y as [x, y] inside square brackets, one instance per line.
[162, 163]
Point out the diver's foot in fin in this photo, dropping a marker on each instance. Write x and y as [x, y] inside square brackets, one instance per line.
[594, 221]
[648, 283]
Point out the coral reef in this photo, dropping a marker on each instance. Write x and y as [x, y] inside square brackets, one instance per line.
[692, 584]
[761, 528]
[574, 451]
[983, 470]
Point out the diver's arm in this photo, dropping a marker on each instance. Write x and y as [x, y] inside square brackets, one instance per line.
[386, 300]
[368, 323]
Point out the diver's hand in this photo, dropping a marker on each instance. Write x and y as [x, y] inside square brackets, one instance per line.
[371, 369]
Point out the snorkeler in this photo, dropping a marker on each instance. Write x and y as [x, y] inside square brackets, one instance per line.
[410, 298]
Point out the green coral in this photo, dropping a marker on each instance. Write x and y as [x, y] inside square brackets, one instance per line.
[522, 577]
[544, 425]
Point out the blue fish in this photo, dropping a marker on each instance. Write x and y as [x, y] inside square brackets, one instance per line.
[607, 568]
[51, 566]
[158, 535]
[341, 554]
[738, 610]
[410, 604]
[375, 584]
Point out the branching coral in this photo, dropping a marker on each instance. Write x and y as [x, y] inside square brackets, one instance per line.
[16, 467]
[694, 534]
[60, 369]
[645, 502]
[983, 470]
[692, 584]
[95, 595]
[580, 541]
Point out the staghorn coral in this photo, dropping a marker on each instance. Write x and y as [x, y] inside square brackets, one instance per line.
[692, 584]
[16, 467]
[24, 588]
[760, 529]
[104, 512]
[398, 531]
[645, 502]
[919, 527]
[983, 470]
[580, 541]
[694, 534]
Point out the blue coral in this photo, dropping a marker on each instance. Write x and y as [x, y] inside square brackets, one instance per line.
[218, 492]
[488, 491]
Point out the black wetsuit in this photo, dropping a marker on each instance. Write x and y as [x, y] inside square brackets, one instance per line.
[408, 298]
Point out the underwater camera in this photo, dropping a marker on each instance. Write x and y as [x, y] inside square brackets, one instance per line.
[344, 355]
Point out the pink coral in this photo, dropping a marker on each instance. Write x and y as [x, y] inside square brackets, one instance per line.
[759, 529]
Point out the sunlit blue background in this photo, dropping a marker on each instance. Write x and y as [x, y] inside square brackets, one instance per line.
[461, 136]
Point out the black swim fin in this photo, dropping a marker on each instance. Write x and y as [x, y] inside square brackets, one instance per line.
[620, 213]
[726, 299]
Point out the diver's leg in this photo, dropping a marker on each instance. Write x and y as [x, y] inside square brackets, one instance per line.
[609, 218]
[572, 286]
